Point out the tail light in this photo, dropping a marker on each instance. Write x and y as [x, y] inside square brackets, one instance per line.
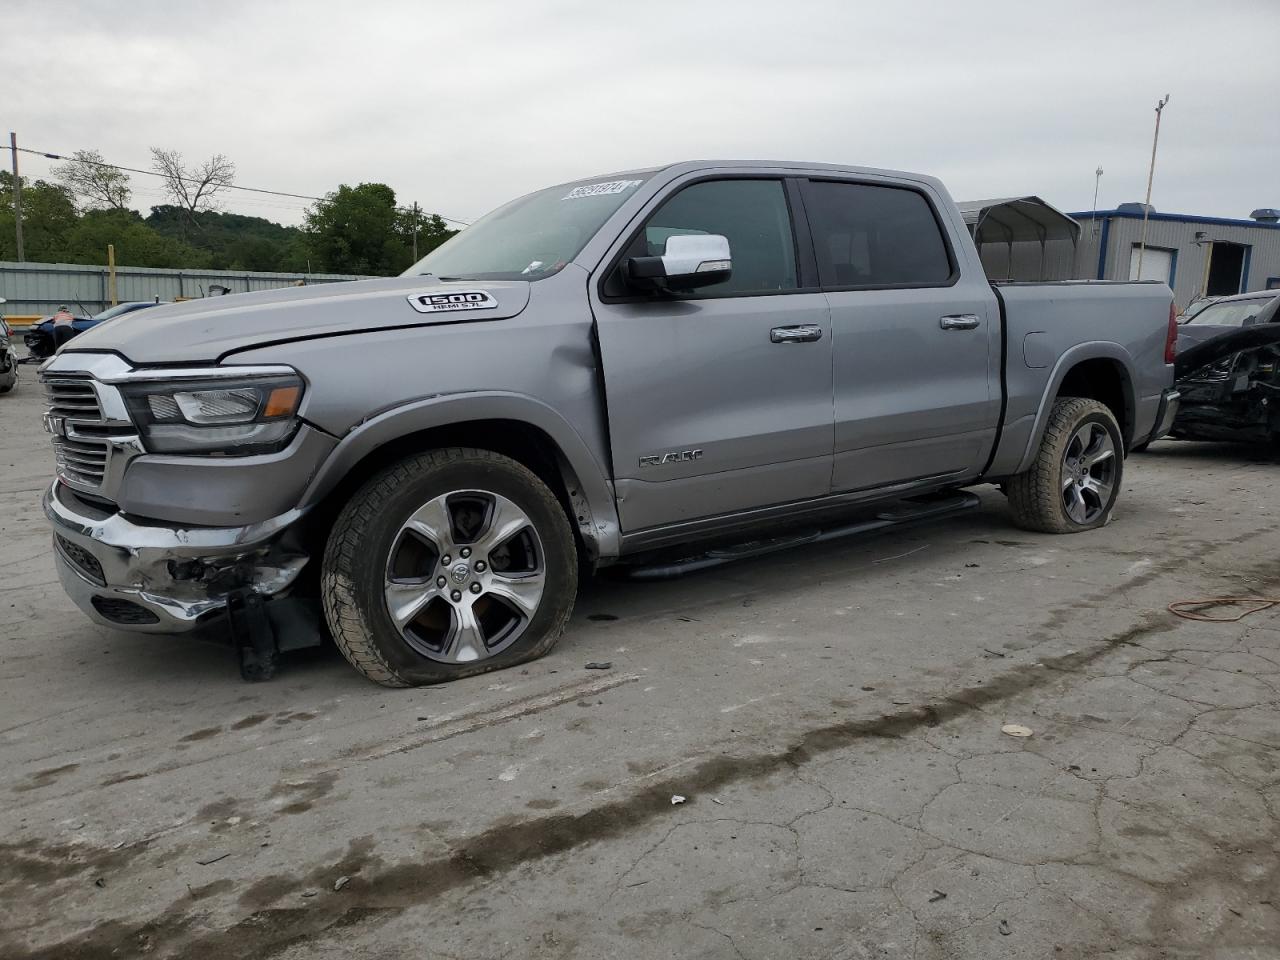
[1171, 336]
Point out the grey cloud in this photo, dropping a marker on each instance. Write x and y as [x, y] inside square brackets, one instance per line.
[462, 105]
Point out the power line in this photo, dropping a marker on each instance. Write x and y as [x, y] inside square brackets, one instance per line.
[231, 186]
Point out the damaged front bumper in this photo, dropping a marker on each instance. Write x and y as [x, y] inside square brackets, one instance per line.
[161, 578]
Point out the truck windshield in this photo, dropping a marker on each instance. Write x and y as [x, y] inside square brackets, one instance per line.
[532, 237]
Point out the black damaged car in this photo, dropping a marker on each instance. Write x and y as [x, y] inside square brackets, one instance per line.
[1228, 371]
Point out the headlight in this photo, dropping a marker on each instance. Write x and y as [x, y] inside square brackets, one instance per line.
[232, 417]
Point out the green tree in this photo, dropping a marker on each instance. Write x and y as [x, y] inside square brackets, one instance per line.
[137, 245]
[48, 212]
[94, 181]
[431, 229]
[353, 230]
[361, 230]
[232, 241]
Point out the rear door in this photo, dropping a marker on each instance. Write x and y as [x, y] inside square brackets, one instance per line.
[712, 411]
[916, 341]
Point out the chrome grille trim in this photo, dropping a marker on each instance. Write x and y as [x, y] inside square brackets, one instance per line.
[73, 399]
[93, 439]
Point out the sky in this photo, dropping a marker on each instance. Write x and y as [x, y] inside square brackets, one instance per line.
[462, 105]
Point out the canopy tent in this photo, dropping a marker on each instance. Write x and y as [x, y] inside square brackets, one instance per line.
[1009, 221]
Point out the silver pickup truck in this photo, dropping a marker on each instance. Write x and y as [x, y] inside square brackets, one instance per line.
[661, 368]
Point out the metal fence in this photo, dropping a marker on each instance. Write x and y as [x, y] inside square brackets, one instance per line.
[40, 288]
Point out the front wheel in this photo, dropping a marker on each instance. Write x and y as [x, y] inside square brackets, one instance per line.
[1075, 479]
[448, 564]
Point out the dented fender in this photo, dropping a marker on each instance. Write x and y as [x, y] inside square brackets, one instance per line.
[585, 479]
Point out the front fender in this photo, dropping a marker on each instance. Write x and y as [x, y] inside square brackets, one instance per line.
[599, 524]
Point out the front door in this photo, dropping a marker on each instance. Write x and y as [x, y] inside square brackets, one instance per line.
[915, 337]
[715, 406]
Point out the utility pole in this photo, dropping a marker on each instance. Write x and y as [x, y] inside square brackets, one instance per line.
[1097, 182]
[17, 193]
[415, 231]
[1146, 207]
[111, 273]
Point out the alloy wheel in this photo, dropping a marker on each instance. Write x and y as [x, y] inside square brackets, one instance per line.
[1088, 472]
[464, 576]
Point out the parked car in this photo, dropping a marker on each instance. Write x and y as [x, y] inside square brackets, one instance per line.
[1228, 371]
[8, 359]
[44, 338]
[621, 370]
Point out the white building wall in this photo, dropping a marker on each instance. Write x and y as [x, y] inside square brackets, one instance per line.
[1121, 233]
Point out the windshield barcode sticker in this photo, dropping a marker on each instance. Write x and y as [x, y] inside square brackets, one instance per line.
[601, 189]
[449, 302]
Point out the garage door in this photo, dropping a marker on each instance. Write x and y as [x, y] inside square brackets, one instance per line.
[1157, 264]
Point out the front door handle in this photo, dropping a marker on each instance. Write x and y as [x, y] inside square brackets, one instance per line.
[804, 333]
[959, 321]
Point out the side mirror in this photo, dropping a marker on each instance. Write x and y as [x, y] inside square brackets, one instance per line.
[688, 261]
[1250, 320]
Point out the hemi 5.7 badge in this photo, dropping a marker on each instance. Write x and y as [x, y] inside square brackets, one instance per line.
[452, 302]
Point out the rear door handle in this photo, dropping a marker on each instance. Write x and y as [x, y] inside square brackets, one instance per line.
[804, 333]
[959, 321]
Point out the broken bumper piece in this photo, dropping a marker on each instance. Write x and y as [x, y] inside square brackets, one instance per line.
[160, 578]
[1165, 415]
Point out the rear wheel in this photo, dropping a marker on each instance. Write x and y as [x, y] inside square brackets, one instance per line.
[1075, 479]
[448, 564]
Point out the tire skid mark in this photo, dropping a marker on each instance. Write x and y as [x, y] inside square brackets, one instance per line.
[448, 727]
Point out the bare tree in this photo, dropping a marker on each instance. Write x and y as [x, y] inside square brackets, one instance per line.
[94, 181]
[193, 188]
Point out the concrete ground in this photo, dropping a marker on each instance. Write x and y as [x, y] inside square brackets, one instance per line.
[832, 718]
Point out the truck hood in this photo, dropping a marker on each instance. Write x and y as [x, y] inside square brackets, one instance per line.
[208, 329]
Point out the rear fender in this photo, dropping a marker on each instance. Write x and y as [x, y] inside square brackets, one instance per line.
[1096, 350]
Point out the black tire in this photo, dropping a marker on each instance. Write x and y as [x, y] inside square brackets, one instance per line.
[1036, 497]
[367, 530]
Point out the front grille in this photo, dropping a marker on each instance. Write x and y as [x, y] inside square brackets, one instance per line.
[73, 399]
[81, 461]
[76, 421]
[81, 559]
[124, 611]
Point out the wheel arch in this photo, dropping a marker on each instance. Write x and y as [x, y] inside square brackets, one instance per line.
[522, 428]
[1101, 371]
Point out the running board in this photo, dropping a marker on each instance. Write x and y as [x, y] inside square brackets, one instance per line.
[900, 514]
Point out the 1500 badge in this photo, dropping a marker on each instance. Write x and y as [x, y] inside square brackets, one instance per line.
[451, 302]
[677, 456]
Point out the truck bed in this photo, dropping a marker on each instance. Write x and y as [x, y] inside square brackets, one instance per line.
[1047, 326]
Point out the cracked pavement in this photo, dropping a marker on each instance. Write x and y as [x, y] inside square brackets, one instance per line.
[831, 715]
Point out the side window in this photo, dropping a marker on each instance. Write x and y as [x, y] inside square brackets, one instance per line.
[873, 236]
[754, 217]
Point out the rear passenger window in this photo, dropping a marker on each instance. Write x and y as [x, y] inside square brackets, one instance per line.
[870, 236]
